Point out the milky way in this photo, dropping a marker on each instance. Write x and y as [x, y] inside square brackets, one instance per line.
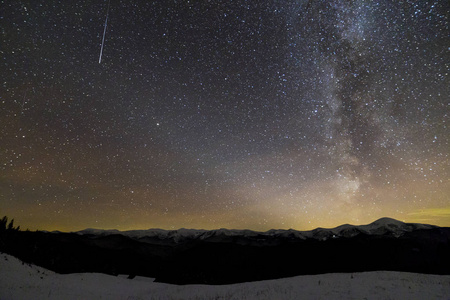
[236, 114]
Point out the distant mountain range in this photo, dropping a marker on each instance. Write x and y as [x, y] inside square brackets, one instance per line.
[383, 226]
[225, 256]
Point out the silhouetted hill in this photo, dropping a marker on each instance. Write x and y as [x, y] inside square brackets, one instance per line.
[229, 256]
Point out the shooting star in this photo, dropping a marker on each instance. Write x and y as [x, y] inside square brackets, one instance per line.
[104, 33]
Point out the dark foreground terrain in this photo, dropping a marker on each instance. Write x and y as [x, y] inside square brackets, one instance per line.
[224, 256]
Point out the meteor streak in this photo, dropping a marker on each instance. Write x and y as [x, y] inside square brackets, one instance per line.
[104, 33]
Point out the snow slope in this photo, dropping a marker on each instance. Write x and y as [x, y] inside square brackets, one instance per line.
[22, 281]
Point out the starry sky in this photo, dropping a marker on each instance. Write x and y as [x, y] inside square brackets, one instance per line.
[224, 114]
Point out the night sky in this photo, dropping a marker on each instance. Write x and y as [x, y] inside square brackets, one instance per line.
[224, 114]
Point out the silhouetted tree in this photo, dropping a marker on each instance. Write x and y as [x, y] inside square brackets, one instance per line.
[6, 232]
[9, 227]
[3, 223]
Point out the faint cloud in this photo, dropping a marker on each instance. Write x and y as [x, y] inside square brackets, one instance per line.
[438, 216]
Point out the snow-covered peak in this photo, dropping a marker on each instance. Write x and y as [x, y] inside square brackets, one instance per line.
[387, 222]
[102, 232]
[392, 226]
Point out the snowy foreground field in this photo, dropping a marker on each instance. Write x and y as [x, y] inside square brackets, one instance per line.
[22, 281]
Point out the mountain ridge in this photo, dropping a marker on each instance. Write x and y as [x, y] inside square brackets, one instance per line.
[382, 226]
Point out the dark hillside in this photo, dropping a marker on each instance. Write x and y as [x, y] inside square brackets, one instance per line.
[222, 260]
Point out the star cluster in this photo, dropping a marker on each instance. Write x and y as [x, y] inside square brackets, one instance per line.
[236, 114]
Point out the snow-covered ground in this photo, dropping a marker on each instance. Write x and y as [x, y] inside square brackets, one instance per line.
[22, 281]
